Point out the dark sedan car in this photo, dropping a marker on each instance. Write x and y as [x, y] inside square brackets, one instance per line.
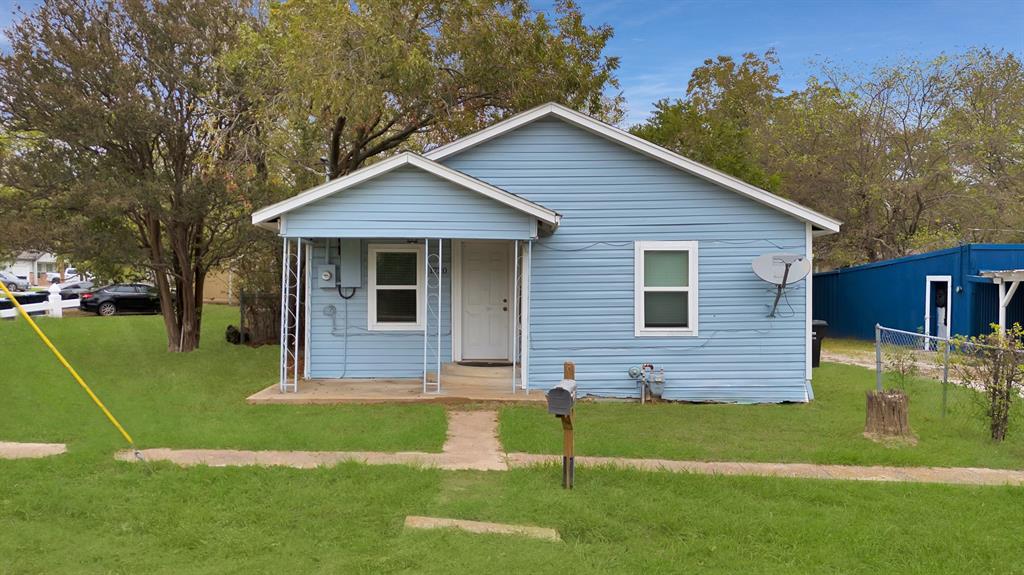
[121, 298]
[74, 290]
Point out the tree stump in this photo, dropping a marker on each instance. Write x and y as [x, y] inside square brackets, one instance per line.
[887, 414]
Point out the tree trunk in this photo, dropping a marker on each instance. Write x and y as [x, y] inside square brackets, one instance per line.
[887, 413]
[200, 281]
[188, 317]
[163, 285]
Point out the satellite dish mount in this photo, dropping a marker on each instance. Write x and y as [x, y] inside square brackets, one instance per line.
[781, 270]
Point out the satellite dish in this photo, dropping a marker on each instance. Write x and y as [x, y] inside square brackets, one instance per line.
[781, 270]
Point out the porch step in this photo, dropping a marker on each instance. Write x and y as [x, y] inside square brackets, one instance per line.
[453, 373]
[485, 372]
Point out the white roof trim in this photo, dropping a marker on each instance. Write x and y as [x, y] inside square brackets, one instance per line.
[999, 276]
[643, 146]
[265, 216]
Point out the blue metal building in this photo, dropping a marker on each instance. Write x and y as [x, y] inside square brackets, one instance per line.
[955, 291]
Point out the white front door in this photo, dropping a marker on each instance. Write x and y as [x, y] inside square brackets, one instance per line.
[485, 303]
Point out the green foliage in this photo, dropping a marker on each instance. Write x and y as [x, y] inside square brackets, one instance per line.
[901, 362]
[718, 123]
[126, 142]
[912, 157]
[349, 81]
[993, 365]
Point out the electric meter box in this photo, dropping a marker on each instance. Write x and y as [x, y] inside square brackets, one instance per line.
[326, 276]
[350, 274]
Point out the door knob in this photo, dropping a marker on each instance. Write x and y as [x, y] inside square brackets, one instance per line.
[504, 308]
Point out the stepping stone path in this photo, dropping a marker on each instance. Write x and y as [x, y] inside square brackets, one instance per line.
[473, 444]
[14, 450]
[416, 522]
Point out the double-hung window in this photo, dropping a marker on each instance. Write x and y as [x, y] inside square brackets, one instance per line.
[665, 292]
[395, 278]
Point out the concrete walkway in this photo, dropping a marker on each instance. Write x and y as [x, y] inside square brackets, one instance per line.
[473, 444]
[951, 475]
[15, 450]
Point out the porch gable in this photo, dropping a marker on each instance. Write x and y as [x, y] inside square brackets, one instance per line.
[407, 196]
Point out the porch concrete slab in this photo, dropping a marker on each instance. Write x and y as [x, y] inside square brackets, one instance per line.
[18, 450]
[336, 391]
[545, 533]
[947, 475]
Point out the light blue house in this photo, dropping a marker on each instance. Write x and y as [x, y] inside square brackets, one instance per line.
[547, 237]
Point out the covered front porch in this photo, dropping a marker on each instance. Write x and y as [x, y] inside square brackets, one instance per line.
[404, 319]
[411, 284]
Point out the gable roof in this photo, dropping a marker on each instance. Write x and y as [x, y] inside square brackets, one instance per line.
[265, 216]
[641, 145]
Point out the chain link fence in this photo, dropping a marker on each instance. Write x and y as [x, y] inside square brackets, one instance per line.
[903, 355]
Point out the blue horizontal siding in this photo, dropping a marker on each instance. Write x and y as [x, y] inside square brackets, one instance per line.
[582, 288]
[407, 203]
[371, 354]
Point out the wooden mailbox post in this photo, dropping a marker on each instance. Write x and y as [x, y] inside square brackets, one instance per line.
[562, 403]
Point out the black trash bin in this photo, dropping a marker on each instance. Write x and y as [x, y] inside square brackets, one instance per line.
[819, 328]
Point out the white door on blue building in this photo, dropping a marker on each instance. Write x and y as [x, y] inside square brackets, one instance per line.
[485, 300]
[938, 303]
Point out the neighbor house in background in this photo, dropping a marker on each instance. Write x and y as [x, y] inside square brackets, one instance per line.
[956, 291]
[547, 237]
[33, 266]
[219, 287]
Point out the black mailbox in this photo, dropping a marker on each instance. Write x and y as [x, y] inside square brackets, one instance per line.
[562, 397]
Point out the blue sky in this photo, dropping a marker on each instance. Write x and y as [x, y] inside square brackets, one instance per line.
[661, 42]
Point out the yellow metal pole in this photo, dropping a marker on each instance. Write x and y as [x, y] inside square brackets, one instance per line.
[70, 369]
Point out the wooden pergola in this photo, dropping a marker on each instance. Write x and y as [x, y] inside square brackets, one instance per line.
[1004, 278]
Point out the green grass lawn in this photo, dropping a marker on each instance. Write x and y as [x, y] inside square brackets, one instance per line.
[827, 430]
[178, 400]
[857, 347]
[85, 514]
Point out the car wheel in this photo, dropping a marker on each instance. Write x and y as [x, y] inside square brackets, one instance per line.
[106, 308]
[12, 287]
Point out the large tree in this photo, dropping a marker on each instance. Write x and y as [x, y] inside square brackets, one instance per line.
[911, 156]
[342, 82]
[723, 117]
[983, 132]
[125, 149]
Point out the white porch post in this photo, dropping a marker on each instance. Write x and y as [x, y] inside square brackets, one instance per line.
[1005, 297]
[295, 315]
[440, 283]
[515, 310]
[524, 368]
[426, 303]
[283, 341]
[306, 296]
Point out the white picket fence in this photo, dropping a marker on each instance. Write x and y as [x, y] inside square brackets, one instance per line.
[54, 307]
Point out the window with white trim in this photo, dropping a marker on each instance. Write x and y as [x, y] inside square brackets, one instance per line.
[395, 280]
[665, 292]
